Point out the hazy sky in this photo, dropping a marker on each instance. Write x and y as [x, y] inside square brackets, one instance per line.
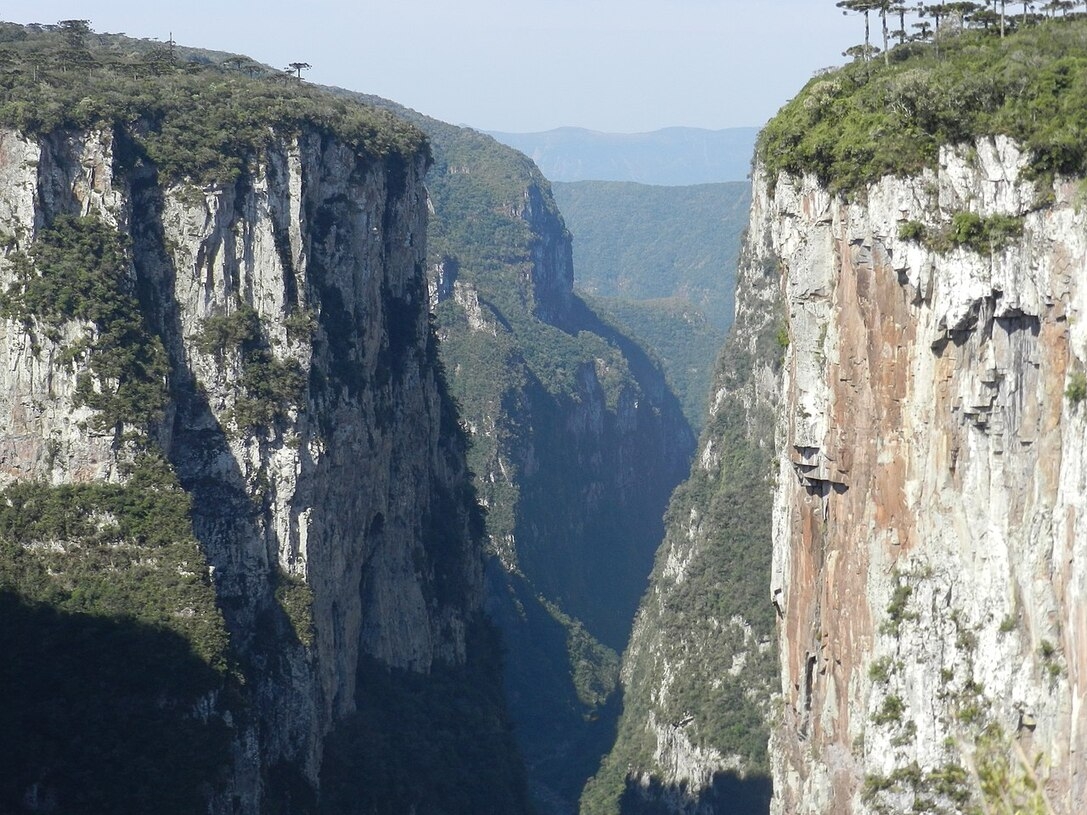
[515, 65]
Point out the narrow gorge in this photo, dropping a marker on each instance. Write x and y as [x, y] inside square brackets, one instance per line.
[323, 491]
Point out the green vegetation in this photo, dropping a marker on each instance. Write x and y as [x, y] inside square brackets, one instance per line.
[576, 442]
[446, 726]
[782, 337]
[880, 670]
[190, 117]
[868, 119]
[295, 597]
[660, 263]
[984, 235]
[113, 550]
[99, 708]
[989, 234]
[1050, 659]
[945, 790]
[1009, 783]
[77, 271]
[890, 712]
[643, 242]
[595, 667]
[270, 386]
[111, 638]
[692, 622]
[679, 336]
[1076, 391]
[897, 609]
[912, 231]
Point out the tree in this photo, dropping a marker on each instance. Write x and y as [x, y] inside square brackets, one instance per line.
[1062, 6]
[961, 11]
[299, 67]
[74, 31]
[937, 11]
[988, 19]
[864, 7]
[900, 9]
[883, 7]
[75, 51]
[923, 28]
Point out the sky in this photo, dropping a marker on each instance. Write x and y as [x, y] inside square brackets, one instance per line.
[619, 66]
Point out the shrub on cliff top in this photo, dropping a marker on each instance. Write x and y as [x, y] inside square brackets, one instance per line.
[867, 119]
[194, 118]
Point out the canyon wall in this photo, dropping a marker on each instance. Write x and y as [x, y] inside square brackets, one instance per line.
[577, 442]
[929, 526]
[291, 391]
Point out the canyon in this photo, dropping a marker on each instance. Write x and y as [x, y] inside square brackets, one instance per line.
[314, 459]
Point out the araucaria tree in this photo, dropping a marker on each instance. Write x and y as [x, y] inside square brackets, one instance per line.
[865, 7]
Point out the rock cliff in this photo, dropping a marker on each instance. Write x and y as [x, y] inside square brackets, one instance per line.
[930, 538]
[276, 365]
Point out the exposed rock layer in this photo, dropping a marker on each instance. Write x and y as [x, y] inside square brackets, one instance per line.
[930, 534]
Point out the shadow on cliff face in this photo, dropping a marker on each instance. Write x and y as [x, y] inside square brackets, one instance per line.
[591, 516]
[729, 794]
[227, 521]
[564, 694]
[437, 743]
[101, 715]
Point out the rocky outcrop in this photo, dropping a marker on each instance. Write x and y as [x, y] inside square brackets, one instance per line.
[305, 415]
[930, 539]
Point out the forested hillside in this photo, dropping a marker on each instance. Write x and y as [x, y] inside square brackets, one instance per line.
[661, 263]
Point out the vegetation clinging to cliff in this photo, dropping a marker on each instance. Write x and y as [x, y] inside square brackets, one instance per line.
[868, 119]
[195, 118]
[77, 271]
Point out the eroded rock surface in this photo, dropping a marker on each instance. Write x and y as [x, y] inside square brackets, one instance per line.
[930, 535]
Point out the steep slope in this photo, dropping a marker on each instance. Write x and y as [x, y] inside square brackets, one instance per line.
[580, 444]
[577, 442]
[929, 532]
[230, 457]
[930, 538]
[699, 673]
[922, 221]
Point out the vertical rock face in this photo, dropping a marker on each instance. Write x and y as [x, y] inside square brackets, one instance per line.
[930, 535]
[305, 417]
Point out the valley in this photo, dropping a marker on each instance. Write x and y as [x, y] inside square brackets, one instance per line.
[353, 461]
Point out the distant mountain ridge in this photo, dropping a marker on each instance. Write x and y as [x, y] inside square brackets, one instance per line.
[673, 156]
